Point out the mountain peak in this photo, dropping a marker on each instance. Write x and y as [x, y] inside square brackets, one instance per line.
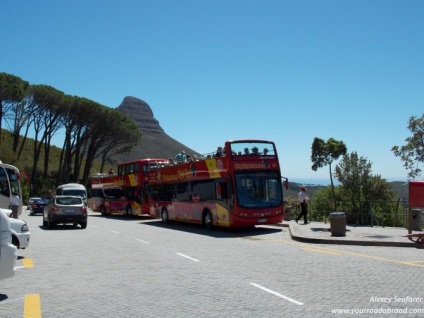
[155, 143]
[141, 113]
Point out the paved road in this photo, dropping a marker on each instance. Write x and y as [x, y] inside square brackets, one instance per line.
[138, 267]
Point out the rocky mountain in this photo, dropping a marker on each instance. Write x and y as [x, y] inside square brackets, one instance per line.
[155, 143]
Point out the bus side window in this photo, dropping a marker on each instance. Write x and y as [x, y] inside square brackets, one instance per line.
[4, 182]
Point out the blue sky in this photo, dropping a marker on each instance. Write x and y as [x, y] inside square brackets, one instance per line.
[214, 70]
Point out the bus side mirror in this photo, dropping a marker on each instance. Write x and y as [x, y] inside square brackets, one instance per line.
[286, 184]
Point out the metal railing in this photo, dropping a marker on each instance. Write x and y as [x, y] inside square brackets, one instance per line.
[380, 213]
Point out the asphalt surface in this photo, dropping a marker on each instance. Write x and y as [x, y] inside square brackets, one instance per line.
[326, 233]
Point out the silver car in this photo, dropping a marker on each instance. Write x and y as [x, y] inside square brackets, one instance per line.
[65, 209]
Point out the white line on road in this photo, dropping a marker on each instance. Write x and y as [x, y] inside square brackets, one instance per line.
[142, 241]
[277, 294]
[191, 258]
[115, 232]
[95, 226]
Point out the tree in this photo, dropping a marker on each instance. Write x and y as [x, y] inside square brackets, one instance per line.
[111, 128]
[353, 173]
[359, 185]
[46, 119]
[324, 153]
[12, 93]
[412, 154]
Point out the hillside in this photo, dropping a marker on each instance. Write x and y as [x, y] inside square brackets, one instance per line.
[155, 143]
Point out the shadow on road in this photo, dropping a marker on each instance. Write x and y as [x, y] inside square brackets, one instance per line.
[217, 232]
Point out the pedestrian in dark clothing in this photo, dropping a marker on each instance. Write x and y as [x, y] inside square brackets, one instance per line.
[303, 199]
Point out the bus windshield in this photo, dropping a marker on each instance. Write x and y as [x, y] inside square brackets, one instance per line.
[258, 189]
[113, 193]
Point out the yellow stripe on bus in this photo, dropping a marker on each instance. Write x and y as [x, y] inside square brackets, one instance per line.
[32, 307]
[133, 181]
[213, 171]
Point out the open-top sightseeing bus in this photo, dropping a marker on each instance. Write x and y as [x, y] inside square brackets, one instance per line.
[241, 187]
[131, 179]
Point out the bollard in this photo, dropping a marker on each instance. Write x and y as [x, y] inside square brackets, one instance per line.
[337, 223]
[416, 220]
[287, 213]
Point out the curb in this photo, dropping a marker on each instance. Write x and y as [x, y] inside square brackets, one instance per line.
[307, 239]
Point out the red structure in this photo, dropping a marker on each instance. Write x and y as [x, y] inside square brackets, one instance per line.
[416, 194]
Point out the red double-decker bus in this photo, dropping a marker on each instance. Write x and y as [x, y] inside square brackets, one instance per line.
[131, 177]
[240, 187]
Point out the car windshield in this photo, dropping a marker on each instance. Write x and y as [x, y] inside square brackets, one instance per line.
[78, 192]
[40, 201]
[68, 201]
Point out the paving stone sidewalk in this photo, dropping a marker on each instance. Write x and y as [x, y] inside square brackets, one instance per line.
[320, 232]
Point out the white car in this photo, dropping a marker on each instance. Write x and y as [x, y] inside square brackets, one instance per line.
[8, 252]
[20, 233]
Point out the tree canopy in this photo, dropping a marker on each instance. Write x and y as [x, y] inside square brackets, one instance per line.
[412, 154]
[324, 153]
[91, 130]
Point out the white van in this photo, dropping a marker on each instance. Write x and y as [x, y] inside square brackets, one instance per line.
[73, 189]
[8, 252]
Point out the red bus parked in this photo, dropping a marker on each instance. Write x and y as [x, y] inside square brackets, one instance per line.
[108, 198]
[131, 178]
[239, 188]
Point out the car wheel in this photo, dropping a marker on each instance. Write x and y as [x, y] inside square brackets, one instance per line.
[44, 223]
[165, 216]
[49, 224]
[103, 210]
[83, 225]
[208, 220]
[15, 241]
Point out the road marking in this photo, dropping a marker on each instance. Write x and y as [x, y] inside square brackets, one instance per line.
[114, 232]
[28, 263]
[32, 307]
[329, 250]
[95, 226]
[190, 258]
[414, 262]
[318, 250]
[294, 301]
[142, 241]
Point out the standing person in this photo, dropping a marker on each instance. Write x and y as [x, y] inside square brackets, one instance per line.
[181, 157]
[219, 152]
[303, 199]
[15, 205]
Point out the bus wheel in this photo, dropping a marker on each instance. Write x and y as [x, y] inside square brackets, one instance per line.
[208, 220]
[129, 211]
[165, 217]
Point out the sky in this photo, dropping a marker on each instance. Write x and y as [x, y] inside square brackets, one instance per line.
[217, 70]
